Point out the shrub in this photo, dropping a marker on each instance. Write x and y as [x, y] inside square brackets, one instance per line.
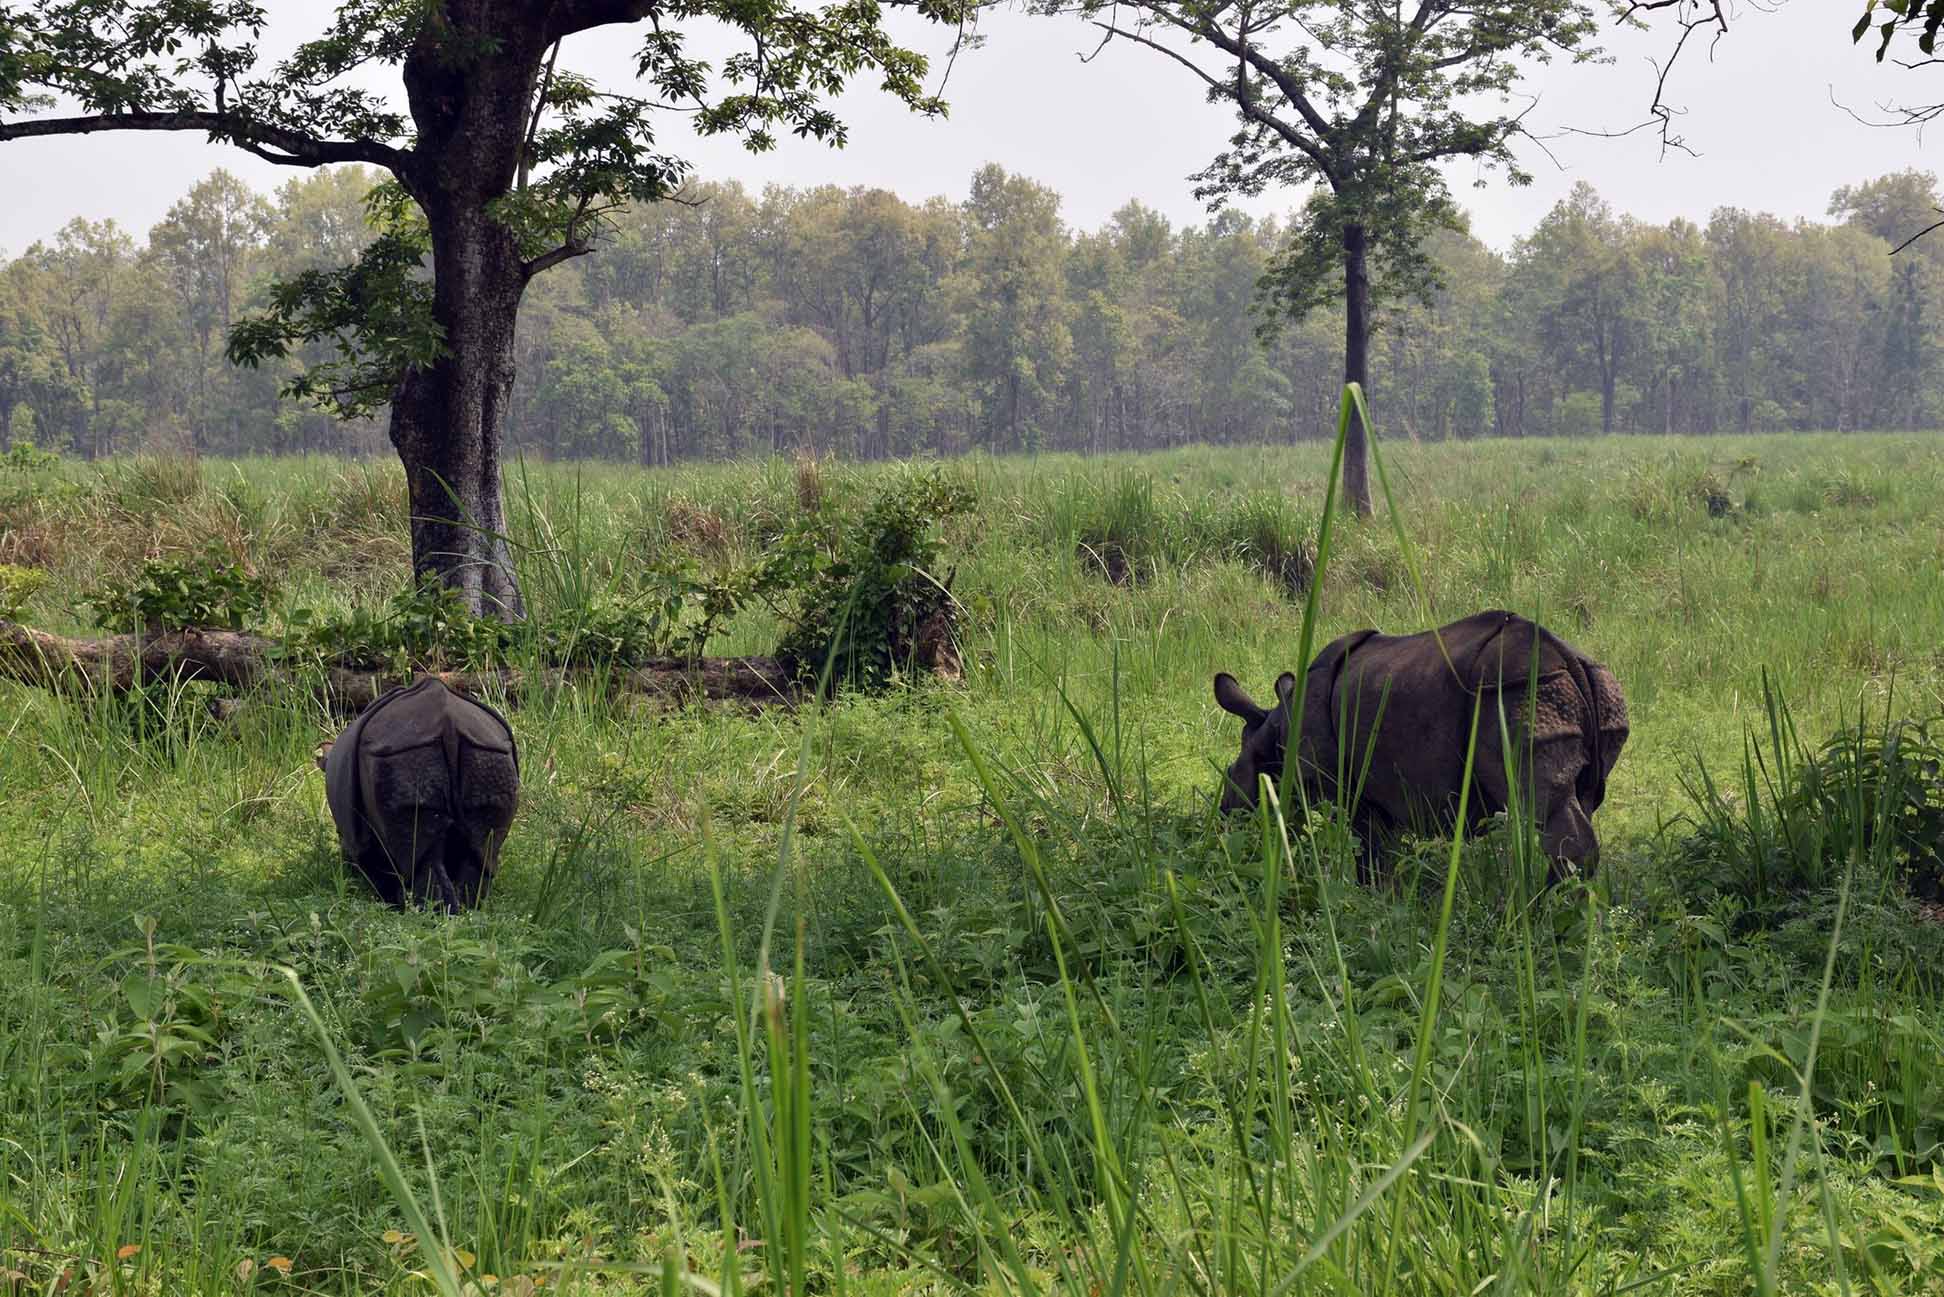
[208, 591]
[427, 626]
[1872, 795]
[17, 586]
[24, 457]
[868, 598]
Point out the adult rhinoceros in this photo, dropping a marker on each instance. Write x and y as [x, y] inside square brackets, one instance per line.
[423, 786]
[1416, 748]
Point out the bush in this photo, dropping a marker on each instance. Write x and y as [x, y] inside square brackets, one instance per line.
[17, 586]
[428, 626]
[25, 457]
[869, 598]
[211, 591]
[1871, 795]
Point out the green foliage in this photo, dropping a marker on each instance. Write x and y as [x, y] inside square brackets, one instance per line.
[869, 575]
[896, 334]
[1363, 104]
[1924, 16]
[571, 154]
[25, 457]
[1868, 804]
[867, 589]
[17, 586]
[156, 1042]
[210, 591]
[427, 626]
[375, 315]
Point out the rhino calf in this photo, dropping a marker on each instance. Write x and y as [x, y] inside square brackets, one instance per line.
[423, 787]
[1404, 703]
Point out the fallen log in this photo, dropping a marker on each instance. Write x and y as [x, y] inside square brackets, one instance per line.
[241, 661]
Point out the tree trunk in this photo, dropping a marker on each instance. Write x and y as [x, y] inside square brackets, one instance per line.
[1356, 365]
[1014, 441]
[448, 418]
[6, 423]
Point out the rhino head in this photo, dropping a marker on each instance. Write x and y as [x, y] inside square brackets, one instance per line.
[1265, 738]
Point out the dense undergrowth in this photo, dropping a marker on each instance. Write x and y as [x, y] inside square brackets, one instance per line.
[1037, 1020]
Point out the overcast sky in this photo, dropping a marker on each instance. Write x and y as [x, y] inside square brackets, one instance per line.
[1131, 124]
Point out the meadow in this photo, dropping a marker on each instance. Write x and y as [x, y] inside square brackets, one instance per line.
[1029, 1016]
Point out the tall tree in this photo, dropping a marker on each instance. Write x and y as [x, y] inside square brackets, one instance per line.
[19, 344]
[1580, 275]
[1017, 344]
[1838, 285]
[1745, 252]
[80, 277]
[1361, 98]
[504, 163]
[202, 244]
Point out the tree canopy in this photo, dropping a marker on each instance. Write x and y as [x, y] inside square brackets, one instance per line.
[860, 323]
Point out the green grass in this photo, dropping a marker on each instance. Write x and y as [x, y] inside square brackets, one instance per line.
[965, 987]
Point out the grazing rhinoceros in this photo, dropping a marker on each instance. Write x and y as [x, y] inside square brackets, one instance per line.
[423, 786]
[1417, 749]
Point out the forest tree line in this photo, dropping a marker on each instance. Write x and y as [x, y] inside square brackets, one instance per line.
[855, 322]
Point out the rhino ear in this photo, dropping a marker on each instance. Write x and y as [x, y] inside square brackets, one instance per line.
[1285, 687]
[1230, 697]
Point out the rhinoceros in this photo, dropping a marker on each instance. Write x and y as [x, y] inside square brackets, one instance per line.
[1416, 749]
[423, 787]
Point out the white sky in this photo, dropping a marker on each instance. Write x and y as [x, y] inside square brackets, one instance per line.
[1132, 124]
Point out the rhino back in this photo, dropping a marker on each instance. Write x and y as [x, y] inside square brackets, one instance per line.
[1398, 704]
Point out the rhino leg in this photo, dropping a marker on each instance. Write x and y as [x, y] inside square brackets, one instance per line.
[410, 811]
[1376, 833]
[385, 879]
[1547, 771]
[489, 794]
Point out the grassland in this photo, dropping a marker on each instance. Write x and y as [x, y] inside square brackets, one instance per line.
[1098, 1042]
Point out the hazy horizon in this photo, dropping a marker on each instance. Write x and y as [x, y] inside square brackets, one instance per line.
[1763, 115]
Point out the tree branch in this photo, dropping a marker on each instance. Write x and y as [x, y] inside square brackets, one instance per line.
[1249, 105]
[567, 17]
[272, 143]
[571, 242]
[1265, 66]
[548, 260]
[1694, 15]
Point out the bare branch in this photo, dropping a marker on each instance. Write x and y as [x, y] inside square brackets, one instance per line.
[1934, 225]
[271, 143]
[548, 260]
[1695, 15]
[1908, 115]
[1250, 105]
[1237, 47]
[539, 110]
